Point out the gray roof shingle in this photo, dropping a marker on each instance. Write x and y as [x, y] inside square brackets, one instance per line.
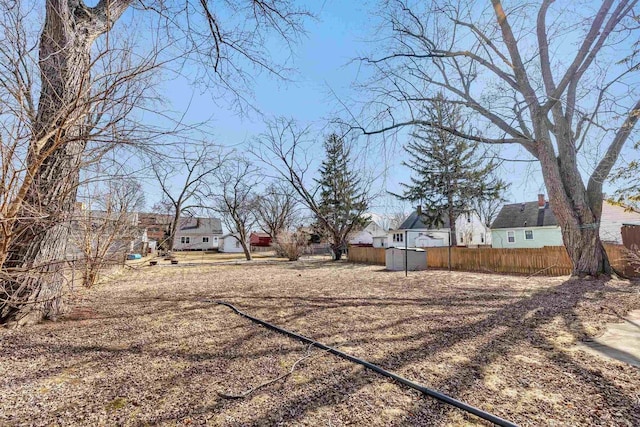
[415, 221]
[517, 215]
[200, 226]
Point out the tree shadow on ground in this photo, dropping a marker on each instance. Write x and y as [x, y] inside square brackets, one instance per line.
[520, 320]
[516, 321]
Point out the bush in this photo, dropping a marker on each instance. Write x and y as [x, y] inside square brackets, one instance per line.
[290, 245]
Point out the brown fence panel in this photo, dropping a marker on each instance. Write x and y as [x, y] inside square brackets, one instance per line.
[631, 236]
[547, 261]
[621, 260]
[367, 255]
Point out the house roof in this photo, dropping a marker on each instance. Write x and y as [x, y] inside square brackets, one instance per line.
[415, 221]
[528, 214]
[200, 226]
[260, 234]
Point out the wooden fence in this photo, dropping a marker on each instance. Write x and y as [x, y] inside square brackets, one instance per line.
[549, 261]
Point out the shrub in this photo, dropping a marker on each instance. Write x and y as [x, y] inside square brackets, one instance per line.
[290, 245]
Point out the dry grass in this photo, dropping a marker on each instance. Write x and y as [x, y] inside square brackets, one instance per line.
[144, 349]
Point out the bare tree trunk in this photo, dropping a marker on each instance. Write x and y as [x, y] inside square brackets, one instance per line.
[37, 249]
[245, 247]
[576, 211]
[173, 229]
[336, 249]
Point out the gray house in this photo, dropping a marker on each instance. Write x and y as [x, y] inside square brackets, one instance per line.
[198, 234]
[419, 234]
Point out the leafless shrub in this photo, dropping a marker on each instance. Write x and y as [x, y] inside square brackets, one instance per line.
[105, 228]
[290, 245]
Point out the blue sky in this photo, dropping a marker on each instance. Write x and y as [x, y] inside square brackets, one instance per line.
[324, 76]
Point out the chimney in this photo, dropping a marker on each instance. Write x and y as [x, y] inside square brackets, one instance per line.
[419, 210]
[541, 201]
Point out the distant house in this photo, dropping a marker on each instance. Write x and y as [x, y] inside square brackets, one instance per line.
[471, 231]
[156, 225]
[612, 219]
[198, 234]
[526, 225]
[230, 243]
[533, 225]
[371, 234]
[96, 231]
[419, 234]
[260, 239]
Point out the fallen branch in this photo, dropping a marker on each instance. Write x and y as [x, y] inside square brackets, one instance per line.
[258, 387]
[540, 271]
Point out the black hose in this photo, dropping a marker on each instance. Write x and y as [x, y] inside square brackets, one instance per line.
[433, 393]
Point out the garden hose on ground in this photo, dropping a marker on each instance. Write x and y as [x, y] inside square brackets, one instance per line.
[433, 393]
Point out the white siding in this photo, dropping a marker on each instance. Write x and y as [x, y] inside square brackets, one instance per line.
[473, 232]
[611, 222]
[231, 244]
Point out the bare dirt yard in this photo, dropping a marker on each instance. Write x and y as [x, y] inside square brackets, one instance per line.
[144, 349]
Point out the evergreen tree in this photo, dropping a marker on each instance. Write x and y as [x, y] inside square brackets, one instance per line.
[449, 172]
[343, 199]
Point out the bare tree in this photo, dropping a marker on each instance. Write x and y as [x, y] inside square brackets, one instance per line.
[231, 196]
[56, 105]
[276, 209]
[283, 149]
[487, 209]
[103, 229]
[194, 166]
[517, 72]
[394, 220]
[55, 116]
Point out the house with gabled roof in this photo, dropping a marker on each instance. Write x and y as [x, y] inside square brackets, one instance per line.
[198, 234]
[470, 230]
[526, 225]
[533, 225]
[419, 234]
[369, 235]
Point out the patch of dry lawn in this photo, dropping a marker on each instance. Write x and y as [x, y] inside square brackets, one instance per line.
[145, 349]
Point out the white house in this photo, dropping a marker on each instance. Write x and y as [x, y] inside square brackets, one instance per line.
[368, 235]
[419, 234]
[230, 243]
[471, 231]
[613, 217]
[381, 241]
[198, 234]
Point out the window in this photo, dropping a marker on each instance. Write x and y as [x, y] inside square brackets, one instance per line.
[398, 237]
[205, 239]
[528, 234]
[461, 238]
[468, 217]
[185, 239]
[237, 243]
[511, 236]
[481, 237]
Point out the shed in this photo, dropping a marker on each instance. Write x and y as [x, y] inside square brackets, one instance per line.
[416, 259]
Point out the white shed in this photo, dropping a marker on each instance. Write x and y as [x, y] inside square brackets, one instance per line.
[230, 243]
[416, 259]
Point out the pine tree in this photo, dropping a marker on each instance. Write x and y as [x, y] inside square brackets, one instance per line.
[449, 173]
[343, 200]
